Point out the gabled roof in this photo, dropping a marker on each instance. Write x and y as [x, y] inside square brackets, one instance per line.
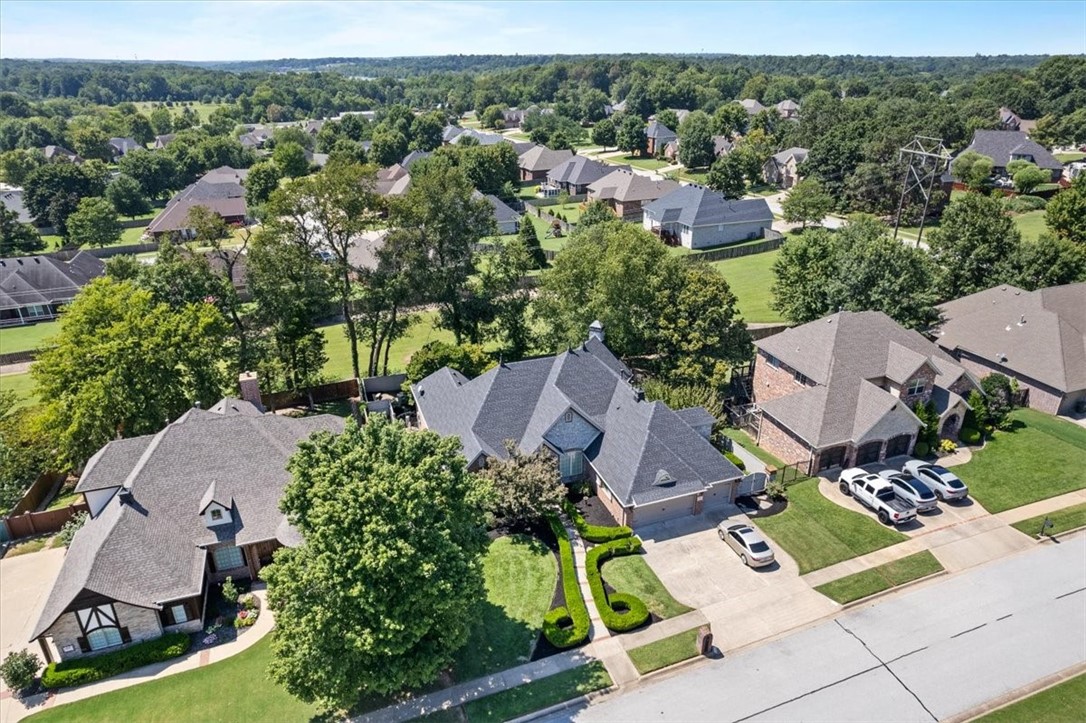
[751, 106]
[27, 280]
[219, 189]
[542, 158]
[1039, 334]
[722, 145]
[695, 206]
[787, 105]
[144, 548]
[122, 146]
[660, 132]
[502, 212]
[800, 154]
[414, 157]
[579, 171]
[485, 139]
[392, 181]
[522, 401]
[450, 132]
[625, 186]
[1001, 145]
[13, 202]
[51, 152]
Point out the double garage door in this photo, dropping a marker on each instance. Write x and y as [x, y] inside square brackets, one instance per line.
[716, 497]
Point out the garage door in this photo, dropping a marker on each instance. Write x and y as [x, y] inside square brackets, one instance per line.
[832, 457]
[898, 445]
[663, 511]
[721, 495]
[868, 453]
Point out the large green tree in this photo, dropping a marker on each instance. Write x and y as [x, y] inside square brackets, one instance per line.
[1050, 261]
[17, 238]
[262, 180]
[696, 140]
[290, 157]
[123, 365]
[806, 202]
[630, 136]
[126, 195]
[94, 223]
[382, 590]
[728, 176]
[604, 133]
[1066, 212]
[974, 247]
[972, 169]
[157, 173]
[52, 192]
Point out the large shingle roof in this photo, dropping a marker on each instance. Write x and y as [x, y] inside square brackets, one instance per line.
[542, 158]
[523, 400]
[625, 186]
[1000, 145]
[28, 280]
[219, 189]
[579, 171]
[145, 549]
[695, 206]
[660, 132]
[1039, 334]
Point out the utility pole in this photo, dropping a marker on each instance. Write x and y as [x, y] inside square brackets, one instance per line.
[927, 158]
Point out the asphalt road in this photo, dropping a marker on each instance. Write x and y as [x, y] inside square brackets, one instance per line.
[923, 655]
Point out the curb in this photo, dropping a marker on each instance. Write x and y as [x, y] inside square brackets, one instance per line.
[558, 707]
[1040, 539]
[889, 591]
[1019, 694]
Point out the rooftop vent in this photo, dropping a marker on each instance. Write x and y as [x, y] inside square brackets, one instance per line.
[1022, 320]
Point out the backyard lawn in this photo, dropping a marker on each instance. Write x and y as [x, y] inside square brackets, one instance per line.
[521, 573]
[883, 577]
[818, 533]
[539, 694]
[26, 338]
[22, 385]
[665, 652]
[1069, 157]
[542, 228]
[339, 352]
[631, 574]
[1042, 457]
[1069, 518]
[128, 236]
[647, 162]
[751, 279]
[747, 443]
[1030, 224]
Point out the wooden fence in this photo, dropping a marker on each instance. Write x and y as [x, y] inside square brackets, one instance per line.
[345, 389]
[773, 240]
[38, 523]
[37, 493]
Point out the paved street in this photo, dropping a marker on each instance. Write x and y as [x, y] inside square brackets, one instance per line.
[935, 652]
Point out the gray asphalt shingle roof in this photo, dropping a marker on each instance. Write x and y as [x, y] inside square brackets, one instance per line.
[542, 158]
[695, 205]
[579, 171]
[1001, 145]
[625, 186]
[30, 280]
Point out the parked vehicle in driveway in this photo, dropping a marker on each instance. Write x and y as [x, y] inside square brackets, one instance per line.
[877, 494]
[748, 543]
[942, 481]
[911, 489]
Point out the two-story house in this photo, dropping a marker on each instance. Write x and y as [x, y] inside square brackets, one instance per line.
[840, 391]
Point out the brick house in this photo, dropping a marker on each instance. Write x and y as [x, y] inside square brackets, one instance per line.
[657, 137]
[574, 175]
[538, 161]
[626, 192]
[646, 462]
[1036, 337]
[839, 391]
[171, 513]
[220, 190]
[782, 169]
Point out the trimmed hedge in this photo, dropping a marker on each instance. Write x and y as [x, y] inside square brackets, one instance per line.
[736, 461]
[595, 533]
[87, 670]
[566, 626]
[621, 611]
[920, 450]
[969, 435]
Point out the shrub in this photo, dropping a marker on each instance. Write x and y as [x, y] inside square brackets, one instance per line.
[621, 611]
[595, 533]
[64, 537]
[229, 591]
[921, 449]
[736, 461]
[566, 626]
[249, 601]
[88, 670]
[1022, 204]
[947, 446]
[776, 490]
[246, 618]
[969, 435]
[18, 669]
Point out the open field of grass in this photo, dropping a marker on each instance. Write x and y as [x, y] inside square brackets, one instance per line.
[1069, 518]
[663, 653]
[203, 109]
[1041, 457]
[751, 279]
[22, 385]
[818, 533]
[539, 694]
[631, 574]
[646, 162]
[883, 577]
[26, 338]
[339, 352]
[1063, 703]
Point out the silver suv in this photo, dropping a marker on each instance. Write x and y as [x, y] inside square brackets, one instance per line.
[910, 488]
[942, 481]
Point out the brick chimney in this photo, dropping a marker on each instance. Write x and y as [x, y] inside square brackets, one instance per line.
[250, 389]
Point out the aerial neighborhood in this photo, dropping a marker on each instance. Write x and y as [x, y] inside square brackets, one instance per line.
[472, 386]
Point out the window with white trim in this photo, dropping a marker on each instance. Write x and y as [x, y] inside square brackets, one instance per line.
[180, 614]
[228, 558]
[103, 638]
[801, 379]
[571, 464]
[916, 386]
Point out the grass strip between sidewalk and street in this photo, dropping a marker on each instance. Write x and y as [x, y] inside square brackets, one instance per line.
[877, 579]
[1063, 703]
[1069, 518]
[538, 694]
[665, 652]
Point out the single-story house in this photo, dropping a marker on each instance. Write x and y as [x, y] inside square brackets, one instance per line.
[506, 220]
[312, 127]
[788, 109]
[1037, 337]
[646, 462]
[521, 147]
[626, 192]
[33, 288]
[484, 138]
[219, 189]
[782, 169]
[840, 391]
[680, 114]
[393, 181]
[171, 513]
[1006, 146]
[658, 136]
[60, 153]
[120, 146]
[449, 133]
[256, 138]
[574, 176]
[537, 162]
[163, 140]
[697, 217]
[751, 106]
[364, 251]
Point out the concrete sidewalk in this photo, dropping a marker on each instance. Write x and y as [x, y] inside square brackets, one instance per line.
[1043, 507]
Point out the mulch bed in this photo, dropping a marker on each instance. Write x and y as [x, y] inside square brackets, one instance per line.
[222, 613]
[594, 512]
[761, 506]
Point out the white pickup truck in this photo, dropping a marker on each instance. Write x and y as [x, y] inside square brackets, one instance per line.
[877, 494]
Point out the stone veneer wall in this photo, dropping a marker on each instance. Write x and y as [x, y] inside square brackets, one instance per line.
[142, 624]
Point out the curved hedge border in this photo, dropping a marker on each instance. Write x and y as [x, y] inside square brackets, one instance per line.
[595, 533]
[566, 626]
[631, 612]
[87, 670]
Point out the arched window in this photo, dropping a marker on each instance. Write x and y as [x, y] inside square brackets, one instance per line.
[99, 626]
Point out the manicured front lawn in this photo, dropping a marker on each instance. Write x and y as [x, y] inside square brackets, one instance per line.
[521, 573]
[26, 338]
[751, 280]
[1069, 157]
[665, 652]
[818, 533]
[339, 351]
[647, 162]
[631, 574]
[744, 440]
[22, 385]
[1042, 457]
[1061, 703]
[539, 694]
[1069, 518]
[1030, 224]
[883, 577]
[237, 689]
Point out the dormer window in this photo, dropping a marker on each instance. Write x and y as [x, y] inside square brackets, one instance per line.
[216, 514]
[916, 386]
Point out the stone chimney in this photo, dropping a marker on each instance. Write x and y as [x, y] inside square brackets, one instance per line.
[250, 389]
[595, 330]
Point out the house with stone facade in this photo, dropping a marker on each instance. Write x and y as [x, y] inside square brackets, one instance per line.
[647, 462]
[782, 169]
[170, 514]
[840, 391]
[1036, 337]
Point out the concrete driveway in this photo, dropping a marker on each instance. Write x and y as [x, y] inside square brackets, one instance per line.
[946, 514]
[25, 581]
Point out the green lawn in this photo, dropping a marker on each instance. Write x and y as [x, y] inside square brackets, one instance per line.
[883, 577]
[646, 162]
[1063, 703]
[1069, 518]
[542, 693]
[744, 440]
[1042, 457]
[25, 338]
[631, 574]
[65, 498]
[1030, 224]
[542, 228]
[205, 694]
[521, 573]
[699, 177]
[527, 190]
[818, 533]
[128, 236]
[22, 385]
[203, 109]
[1069, 157]
[665, 652]
[339, 352]
[570, 211]
[751, 279]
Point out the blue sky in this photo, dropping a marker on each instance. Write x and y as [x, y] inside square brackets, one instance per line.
[261, 29]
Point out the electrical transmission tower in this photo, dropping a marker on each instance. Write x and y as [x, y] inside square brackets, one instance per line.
[927, 159]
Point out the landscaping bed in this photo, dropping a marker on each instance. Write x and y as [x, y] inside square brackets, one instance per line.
[632, 575]
[877, 579]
